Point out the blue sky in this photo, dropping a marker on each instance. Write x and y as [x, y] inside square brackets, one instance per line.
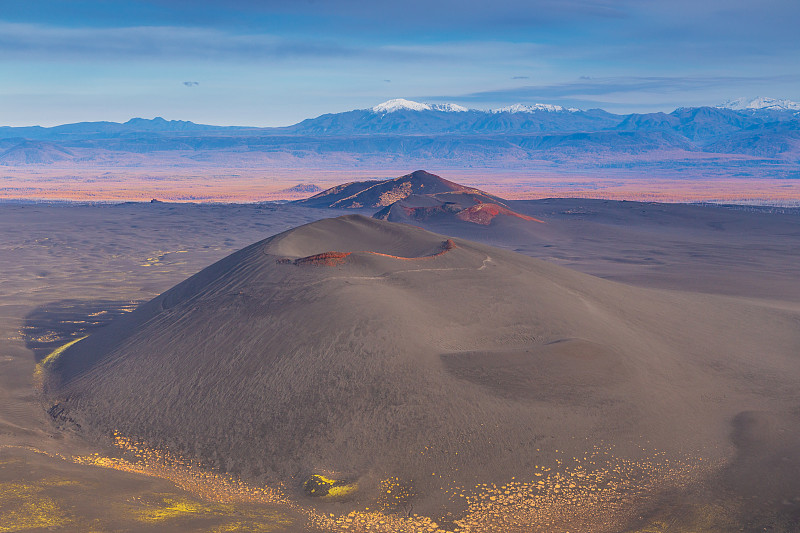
[272, 62]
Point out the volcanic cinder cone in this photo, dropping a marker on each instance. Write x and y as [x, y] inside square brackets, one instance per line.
[363, 349]
[381, 193]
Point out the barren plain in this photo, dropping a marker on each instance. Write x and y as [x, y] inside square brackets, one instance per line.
[681, 415]
[259, 182]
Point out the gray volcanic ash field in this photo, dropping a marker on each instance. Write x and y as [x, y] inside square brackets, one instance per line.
[370, 375]
[350, 346]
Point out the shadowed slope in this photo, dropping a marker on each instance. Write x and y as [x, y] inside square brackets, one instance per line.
[441, 363]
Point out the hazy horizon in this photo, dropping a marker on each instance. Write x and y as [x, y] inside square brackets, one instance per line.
[367, 107]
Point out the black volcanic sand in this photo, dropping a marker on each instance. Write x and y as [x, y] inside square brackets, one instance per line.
[439, 365]
[92, 259]
[732, 250]
[66, 269]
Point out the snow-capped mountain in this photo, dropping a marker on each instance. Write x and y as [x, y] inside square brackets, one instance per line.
[527, 108]
[761, 102]
[401, 104]
[401, 116]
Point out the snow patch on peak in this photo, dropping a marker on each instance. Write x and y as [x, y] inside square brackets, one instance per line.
[527, 108]
[450, 108]
[761, 102]
[398, 104]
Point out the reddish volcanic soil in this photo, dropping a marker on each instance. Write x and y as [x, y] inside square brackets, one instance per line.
[484, 213]
[323, 259]
[339, 258]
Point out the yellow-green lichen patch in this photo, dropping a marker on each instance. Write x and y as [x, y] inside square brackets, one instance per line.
[395, 495]
[58, 351]
[25, 506]
[168, 508]
[52, 356]
[68, 498]
[38, 373]
[320, 486]
[228, 517]
[340, 491]
[254, 524]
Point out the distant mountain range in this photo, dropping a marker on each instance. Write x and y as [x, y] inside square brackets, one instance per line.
[401, 131]
[406, 116]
